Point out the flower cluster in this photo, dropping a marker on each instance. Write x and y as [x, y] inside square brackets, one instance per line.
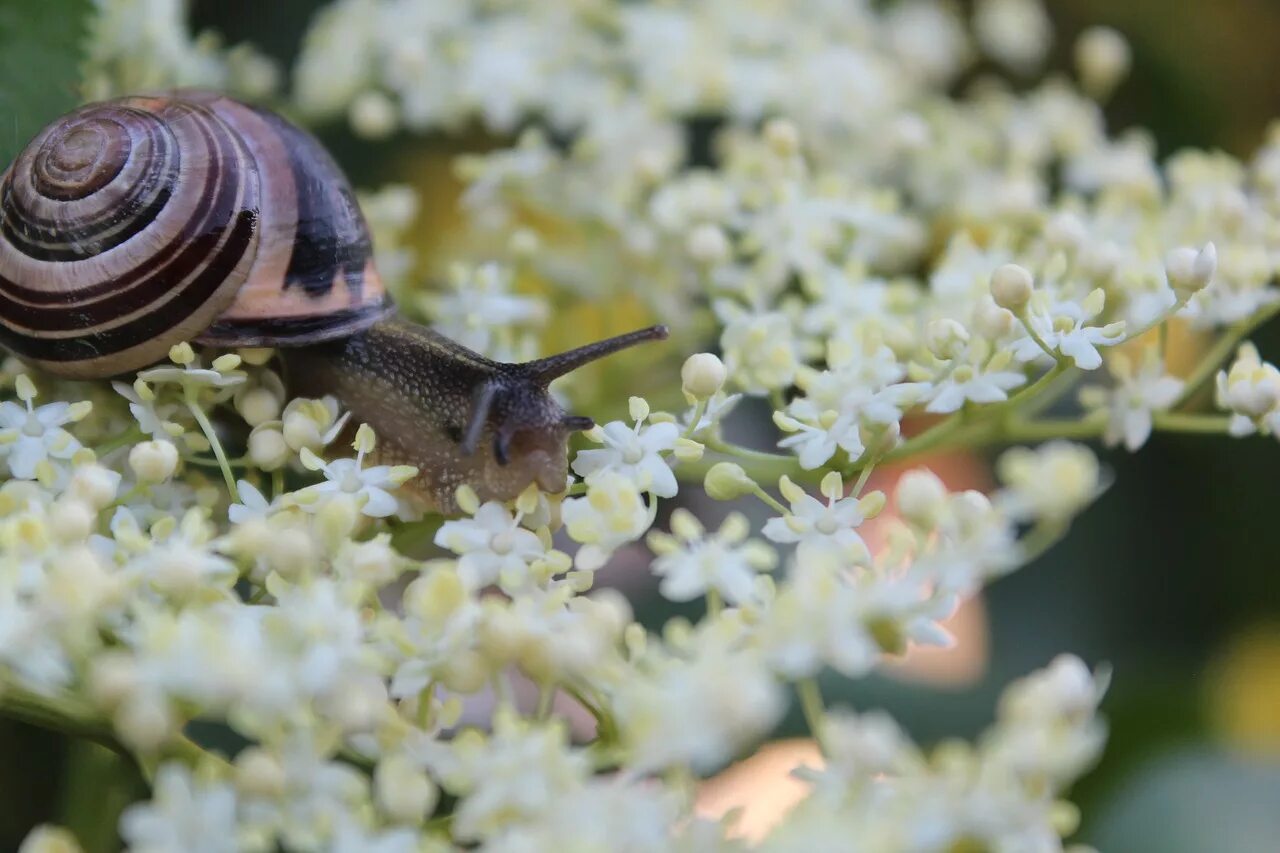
[889, 261]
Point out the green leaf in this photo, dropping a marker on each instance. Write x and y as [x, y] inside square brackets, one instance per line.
[42, 46]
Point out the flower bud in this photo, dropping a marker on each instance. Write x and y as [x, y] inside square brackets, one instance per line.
[373, 115]
[112, 678]
[290, 552]
[144, 722]
[153, 461]
[945, 337]
[1190, 271]
[71, 520]
[1065, 232]
[1011, 287]
[707, 244]
[259, 773]
[268, 449]
[1102, 59]
[402, 790]
[702, 375]
[782, 136]
[920, 497]
[50, 839]
[258, 405]
[727, 480]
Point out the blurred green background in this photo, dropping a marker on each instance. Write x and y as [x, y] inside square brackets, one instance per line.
[1170, 578]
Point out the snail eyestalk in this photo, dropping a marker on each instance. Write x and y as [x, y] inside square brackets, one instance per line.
[545, 370]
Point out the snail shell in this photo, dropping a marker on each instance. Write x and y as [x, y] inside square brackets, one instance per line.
[131, 225]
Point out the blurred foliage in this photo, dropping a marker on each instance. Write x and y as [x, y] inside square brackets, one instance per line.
[41, 47]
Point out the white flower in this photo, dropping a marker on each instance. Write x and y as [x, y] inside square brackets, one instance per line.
[142, 405]
[370, 487]
[1052, 483]
[823, 530]
[718, 408]
[691, 563]
[30, 436]
[823, 615]
[514, 775]
[1137, 394]
[1250, 390]
[696, 706]
[1064, 328]
[759, 348]
[182, 814]
[980, 380]
[480, 309]
[612, 514]
[635, 453]
[253, 505]
[180, 563]
[319, 797]
[29, 646]
[819, 425]
[492, 546]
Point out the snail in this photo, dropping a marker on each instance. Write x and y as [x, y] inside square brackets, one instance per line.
[131, 225]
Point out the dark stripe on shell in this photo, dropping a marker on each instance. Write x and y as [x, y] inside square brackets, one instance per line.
[150, 280]
[332, 241]
[310, 328]
[75, 239]
[149, 325]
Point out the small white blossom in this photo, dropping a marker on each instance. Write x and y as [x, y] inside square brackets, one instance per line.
[1064, 328]
[1052, 482]
[370, 488]
[184, 813]
[612, 513]
[1250, 390]
[30, 435]
[1138, 393]
[691, 563]
[492, 546]
[823, 530]
[634, 452]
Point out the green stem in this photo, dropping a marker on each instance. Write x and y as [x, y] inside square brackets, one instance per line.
[699, 410]
[714, 603]
[69, 714]
[203, 420]
[812, 707]
[1204, 424]
[769, 500]
[863, 477]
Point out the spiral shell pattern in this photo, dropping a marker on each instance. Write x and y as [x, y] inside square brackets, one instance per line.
[131, 225]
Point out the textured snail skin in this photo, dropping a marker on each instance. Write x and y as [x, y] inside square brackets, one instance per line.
[455, 415]
[132, 225]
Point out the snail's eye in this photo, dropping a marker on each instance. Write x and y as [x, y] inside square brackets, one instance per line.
[454, 433]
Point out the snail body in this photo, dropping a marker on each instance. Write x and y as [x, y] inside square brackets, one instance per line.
[131, 225]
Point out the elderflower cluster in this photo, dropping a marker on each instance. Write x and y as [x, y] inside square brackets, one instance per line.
[139, 46]
[890, 249]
